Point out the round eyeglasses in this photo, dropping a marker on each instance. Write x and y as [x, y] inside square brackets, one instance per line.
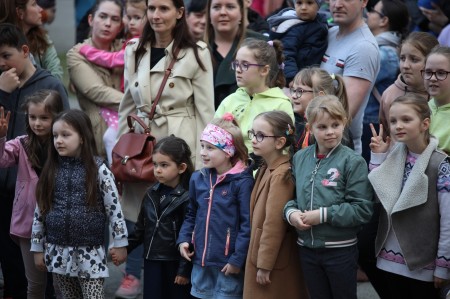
[298, 92]
[243, 66]
[259, 136]
[440, 75]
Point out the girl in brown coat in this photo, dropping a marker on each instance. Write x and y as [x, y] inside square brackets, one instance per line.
[272, 268]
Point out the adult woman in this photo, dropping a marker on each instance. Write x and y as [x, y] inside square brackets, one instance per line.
[186, 103]
[97, 86]
[27, 15]
[225, 31]
[413, 52]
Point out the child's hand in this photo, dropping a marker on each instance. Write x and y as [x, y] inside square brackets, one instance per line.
[263, 277]
[184, 251]
[4, 121]
[377, 144]
[296, 220]
[230, 269]
[181, 280]
[311, 217]
[9, 80]
[118, 254]
[39, 261]
[439, 282]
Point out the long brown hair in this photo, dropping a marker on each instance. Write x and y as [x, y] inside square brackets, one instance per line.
[181, 37]
[45, 189]
[53, 104]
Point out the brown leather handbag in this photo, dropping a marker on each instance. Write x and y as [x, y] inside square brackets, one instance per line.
[132, 154]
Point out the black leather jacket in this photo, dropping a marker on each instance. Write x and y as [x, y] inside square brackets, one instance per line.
[158, 226]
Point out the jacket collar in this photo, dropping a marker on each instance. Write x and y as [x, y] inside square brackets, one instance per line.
[387, 179]
[261, 180]
[176, 191]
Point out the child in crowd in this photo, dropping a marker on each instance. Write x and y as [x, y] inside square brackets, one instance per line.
[333, 201]
[272, 268]
[136, 16]
[303, 32]
[413, 53]
[75, 196]
[29, 152]
[412, 184]
[437, 83]
[307, 84]
[216, 231]
[162, 214]
[258, 67]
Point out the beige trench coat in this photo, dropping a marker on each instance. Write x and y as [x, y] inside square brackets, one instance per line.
[273, 241]
[184, 109]
[95, 87]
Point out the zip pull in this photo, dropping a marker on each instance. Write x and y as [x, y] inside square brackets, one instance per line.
[157, 223]
[313, 174]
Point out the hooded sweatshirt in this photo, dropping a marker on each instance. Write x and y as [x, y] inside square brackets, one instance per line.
[439, 124]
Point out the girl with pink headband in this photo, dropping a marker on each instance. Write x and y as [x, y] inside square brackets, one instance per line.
[215, 234]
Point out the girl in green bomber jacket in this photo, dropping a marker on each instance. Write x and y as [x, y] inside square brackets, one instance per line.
[333, 200]
[259, 75]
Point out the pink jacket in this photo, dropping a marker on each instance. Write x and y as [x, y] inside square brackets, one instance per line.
[12, 153]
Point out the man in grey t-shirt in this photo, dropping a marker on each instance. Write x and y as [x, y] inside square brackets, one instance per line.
[353, 53]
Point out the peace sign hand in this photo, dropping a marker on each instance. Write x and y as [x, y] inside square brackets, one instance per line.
[377, 144]
[4, 121]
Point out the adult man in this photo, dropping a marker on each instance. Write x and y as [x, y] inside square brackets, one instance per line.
[353, 53]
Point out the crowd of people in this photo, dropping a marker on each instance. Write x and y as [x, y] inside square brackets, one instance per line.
[299, 143]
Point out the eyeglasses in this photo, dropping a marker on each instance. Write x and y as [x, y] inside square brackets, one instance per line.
[440, 75]
[243, 66]
[298, 92]
[259, 136]
[377, 12]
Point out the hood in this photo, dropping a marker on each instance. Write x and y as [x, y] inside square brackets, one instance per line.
[274, 92]
[388, 38]
[400, 84]
[38, 75]
[238, 171]
[434, 107]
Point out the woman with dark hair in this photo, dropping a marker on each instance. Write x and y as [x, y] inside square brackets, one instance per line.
[186, 104]
[27, 15]
[196, 17]
[95, 85]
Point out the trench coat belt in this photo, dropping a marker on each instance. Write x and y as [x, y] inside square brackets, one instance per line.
[160, 118]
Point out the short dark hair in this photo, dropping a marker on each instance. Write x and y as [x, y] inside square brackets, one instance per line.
[11, 35]
[195, 6]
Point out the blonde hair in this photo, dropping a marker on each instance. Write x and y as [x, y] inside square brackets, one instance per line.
[232, 127]
[325, 104]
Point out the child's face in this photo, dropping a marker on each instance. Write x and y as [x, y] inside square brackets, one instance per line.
[10, 58]
[411, 63]
[406, 125]
[166, 171]
[40, 120]
[269, 147]
[255, 76]
[136, 20]
[438, 89]
[196, 22]
[213, 157]
[306, 9]
[66, 139]
[327, 131]
[301, 95]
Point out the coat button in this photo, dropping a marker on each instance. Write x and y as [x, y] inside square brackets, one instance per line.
[171, 84]
[136, 84]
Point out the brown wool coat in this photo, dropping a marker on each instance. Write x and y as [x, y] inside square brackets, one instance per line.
[273, 242]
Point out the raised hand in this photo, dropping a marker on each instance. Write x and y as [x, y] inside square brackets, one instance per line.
[377, 144]
[4, 121]
[9, 80]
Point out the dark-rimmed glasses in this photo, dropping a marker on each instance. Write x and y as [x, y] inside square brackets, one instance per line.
[440, 75]
[373, 10]
[259, 136]
[298, 92]
[243, 66]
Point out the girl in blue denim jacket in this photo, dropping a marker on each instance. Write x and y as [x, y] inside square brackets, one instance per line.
[216, 231]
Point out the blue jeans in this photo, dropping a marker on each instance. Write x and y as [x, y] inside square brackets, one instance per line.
[210, 283]
[134, 258]
[330, 272]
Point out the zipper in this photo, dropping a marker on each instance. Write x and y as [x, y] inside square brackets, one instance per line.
[211, 191]
[174, 226]
[227, 243]
[193, 237]
[312, 180]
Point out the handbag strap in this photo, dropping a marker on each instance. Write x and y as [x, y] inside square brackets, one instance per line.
[136, 118]
[161, 87]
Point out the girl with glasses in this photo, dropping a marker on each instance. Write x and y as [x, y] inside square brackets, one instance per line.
[437, 83]
[259, 74]
[307, 84]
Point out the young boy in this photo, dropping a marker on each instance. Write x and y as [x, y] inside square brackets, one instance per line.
[18, 79]
[303, 32]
